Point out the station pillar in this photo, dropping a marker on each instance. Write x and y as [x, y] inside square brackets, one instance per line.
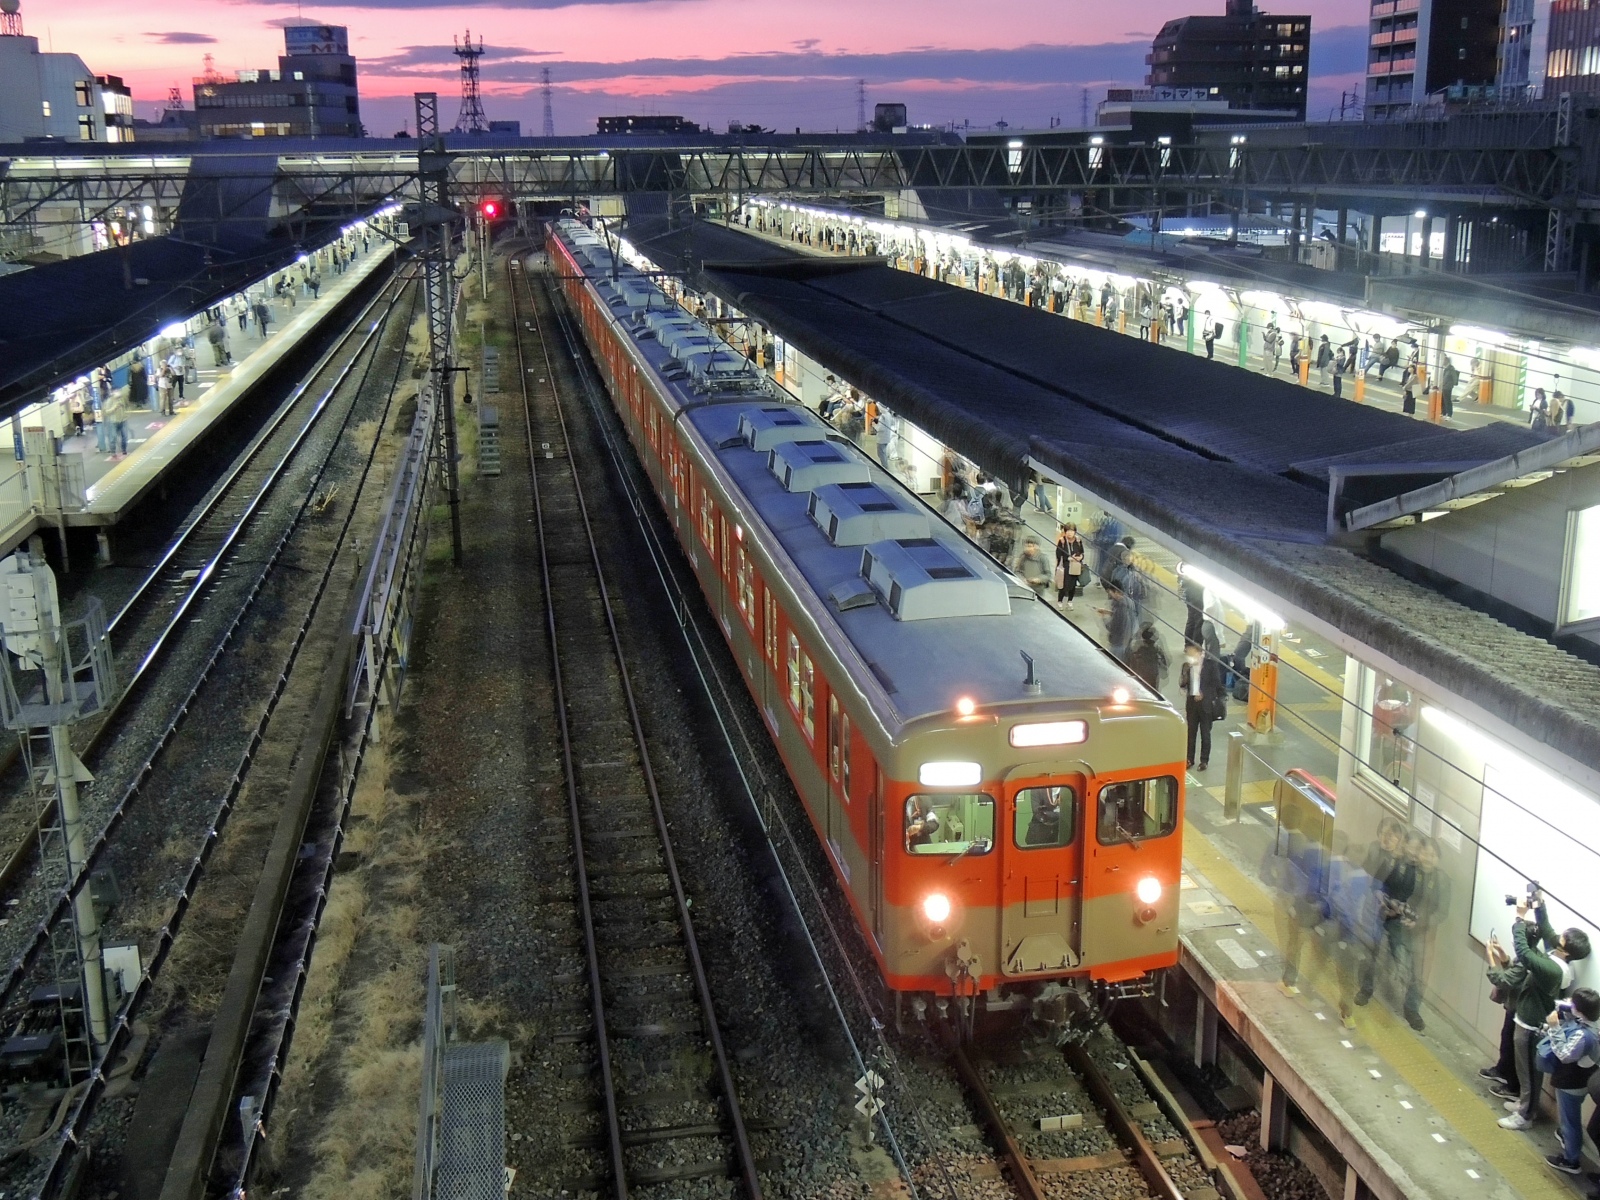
[1274, 1115]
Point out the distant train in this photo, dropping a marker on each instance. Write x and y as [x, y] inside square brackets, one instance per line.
[1002, 835]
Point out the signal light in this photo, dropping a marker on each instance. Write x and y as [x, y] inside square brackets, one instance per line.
[490, 209]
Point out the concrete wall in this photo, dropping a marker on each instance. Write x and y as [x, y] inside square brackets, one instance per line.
[1512, 547]
[28, 78]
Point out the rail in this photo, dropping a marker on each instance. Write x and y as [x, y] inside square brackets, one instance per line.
[712, 1029]
[68, 1142]
[22, 852]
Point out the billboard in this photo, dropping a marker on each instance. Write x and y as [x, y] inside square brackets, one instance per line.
[316, 39]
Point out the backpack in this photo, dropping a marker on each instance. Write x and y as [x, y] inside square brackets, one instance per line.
[975, 506]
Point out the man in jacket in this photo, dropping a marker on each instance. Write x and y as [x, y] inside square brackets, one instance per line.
[1572, 1049]
[1200, 680]
[1549, 976]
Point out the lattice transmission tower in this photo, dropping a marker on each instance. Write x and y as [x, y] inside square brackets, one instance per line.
[471, 119]
[544, 89]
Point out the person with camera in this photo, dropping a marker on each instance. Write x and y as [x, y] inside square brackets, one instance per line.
[1549, 977]
[1568, 1052]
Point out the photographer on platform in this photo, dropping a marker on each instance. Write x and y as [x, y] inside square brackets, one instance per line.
[1549, 978]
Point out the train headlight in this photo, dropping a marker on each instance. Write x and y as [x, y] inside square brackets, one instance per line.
[1148, 890]
[1120, 695]
[936, 908]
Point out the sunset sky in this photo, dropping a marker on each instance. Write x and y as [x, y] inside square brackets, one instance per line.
[714, 61]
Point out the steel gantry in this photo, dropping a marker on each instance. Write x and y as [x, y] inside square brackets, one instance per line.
[1529, 160]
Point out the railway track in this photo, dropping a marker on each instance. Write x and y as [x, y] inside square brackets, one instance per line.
[149, 620]
[252, 556]
[1079, 1123]
[665, 1105]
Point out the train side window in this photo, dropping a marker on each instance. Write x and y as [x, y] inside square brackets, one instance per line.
[950, 824]
[1137, 809]
[844, 755]
[1045, 818]
[771, 618]
[746, 570]
[835, 746]
[808, 704]
[793, 658]
[708, 523]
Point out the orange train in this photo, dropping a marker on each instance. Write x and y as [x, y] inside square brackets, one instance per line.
[1005, 832]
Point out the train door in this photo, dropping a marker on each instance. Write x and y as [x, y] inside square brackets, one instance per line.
[875, 853]
[1041, 871]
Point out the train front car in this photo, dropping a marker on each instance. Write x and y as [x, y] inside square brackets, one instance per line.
[1038, 853]
[1001, 801]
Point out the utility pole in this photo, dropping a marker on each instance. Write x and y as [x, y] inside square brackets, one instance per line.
[46, 689]
[544, 89]
[436, 224]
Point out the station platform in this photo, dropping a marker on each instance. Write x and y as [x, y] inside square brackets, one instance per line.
[1382, 392]
[157, 443]
[1405, 1110]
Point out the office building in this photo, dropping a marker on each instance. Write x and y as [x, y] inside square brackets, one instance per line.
[1524, 34]
[1250, 59]
[1423, 51]
[44, 95]
[313, 92]
[1572, 49]
[116, 106]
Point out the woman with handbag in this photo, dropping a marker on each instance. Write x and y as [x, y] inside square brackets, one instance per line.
[1070, 549]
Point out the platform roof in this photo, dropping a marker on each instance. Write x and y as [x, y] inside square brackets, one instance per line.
[1227, 462]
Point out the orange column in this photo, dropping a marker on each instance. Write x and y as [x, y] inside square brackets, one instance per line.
[1436, 405]
[1360, 396]
[1486, 390]
[1305, 370]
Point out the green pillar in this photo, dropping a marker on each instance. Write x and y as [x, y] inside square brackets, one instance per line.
[1188, 325]
[1244, 342]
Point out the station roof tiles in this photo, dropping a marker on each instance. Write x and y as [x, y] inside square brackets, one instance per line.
[1219, 459]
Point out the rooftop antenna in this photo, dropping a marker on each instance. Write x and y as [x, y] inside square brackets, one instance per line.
[471, 119]
[174, 96]
[861, 106]
[1083, 109]
[544, 89]
[10, 18]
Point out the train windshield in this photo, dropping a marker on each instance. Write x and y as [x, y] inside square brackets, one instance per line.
[1045, 818]
[1137, 809]
[950, 824]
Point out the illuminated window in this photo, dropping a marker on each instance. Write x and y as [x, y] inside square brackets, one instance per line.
[1137, 809]
[708, 532]
[86, 128]
[46, 107]
[83, 92]
[1386, 736]
[1045, 818]
[793, 659]
[835, 742]
[1580, 600]
[746, 571]
[844, 754]
[808, 706]
[771, 618]
[950, 824]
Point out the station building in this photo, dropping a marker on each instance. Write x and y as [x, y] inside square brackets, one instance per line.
[45, 95]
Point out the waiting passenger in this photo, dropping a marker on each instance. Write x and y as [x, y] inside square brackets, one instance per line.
[1398, 888]
[1069, 563]
[1148, 657]
[1324, 358]
[1119, 620]
[1200, 680]
[1032, 567]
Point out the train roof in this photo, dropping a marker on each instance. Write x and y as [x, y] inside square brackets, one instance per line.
[929, 615]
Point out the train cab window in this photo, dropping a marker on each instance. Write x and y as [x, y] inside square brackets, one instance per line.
[1138, 809]
[1045, 818]
[945, 824]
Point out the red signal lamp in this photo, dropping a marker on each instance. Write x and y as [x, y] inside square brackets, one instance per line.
[490, 209]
